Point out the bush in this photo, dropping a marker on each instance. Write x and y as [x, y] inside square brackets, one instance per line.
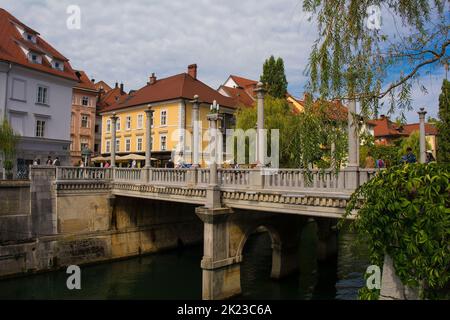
[404, 212]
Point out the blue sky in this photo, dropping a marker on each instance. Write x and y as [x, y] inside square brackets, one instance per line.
[126, 41]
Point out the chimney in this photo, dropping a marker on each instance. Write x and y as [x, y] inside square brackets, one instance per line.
[121, 88]
[152, 79]
[192, 70]
[93, 80]
[117, 85]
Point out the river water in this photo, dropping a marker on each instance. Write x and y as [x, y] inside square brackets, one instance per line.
[177, 275]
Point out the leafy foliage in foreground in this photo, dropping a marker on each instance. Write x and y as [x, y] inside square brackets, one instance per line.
[405, 212]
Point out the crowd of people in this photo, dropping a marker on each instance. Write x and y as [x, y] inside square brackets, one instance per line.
[409, 157]
[49, 162]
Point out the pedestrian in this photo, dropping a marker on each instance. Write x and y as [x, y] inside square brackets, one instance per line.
[170, 164]
[56, 162]
[409, 157]
[107, 165]
[36, 162]
[370, 161]
[133, 164]
[380, 163]
[430, 157]
[49, 161]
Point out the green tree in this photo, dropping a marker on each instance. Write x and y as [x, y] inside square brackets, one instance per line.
[413, 142]
[305, 138]
[8, 144]
[353, 59]
[444, 123]
[274, 77]
[404, 212]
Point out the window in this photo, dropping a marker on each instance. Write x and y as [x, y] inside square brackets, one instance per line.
[96, 147]
[127, 145]
[42, 95]
[35, 58]
[96, 128]
[139, 144]
[108, 126]
[140, 121]
[118, 124]
[85, 101]
[58, 65]
[108, 146]
[163, 143]
[117, 145]
[85, 121]
[163, 117]
[19, 90]
[128, 123]
[40, 128]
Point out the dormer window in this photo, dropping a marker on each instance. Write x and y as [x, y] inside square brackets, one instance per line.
[58, 64]
[30, 37]
[34, 57]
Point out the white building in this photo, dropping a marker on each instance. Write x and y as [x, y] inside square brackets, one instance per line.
[36, 84]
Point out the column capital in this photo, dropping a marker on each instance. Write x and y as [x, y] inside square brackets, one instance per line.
[422, 113]
[214, 116]
[114, 117]
[149, 110]
[195, 101]
[260, 90]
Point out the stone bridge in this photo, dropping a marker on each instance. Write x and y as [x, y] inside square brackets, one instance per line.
[232, 204]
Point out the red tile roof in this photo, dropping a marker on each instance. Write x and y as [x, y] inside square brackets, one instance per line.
[430, 129]
[84, 82]
[110, 98]
[102, 85]
[240, 95]
[181, 86]
[10, 48]
[386, 128]
[244, 82]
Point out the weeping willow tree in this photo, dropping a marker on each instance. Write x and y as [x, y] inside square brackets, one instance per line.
[305, 138]
[353, 58]
[8, 144]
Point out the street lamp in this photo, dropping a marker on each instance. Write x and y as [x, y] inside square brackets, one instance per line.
[214, 108]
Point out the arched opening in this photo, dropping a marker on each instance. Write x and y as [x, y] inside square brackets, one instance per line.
[257, 250]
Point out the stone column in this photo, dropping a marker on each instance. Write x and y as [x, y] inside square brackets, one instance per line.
[195, 132]
[148, 137]
[423, 151]
[113, 139]
[352, 170]
[261, 154]
[213, 192]
[353, 160]
[221, 277]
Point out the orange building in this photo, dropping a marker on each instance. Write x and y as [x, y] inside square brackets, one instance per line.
[82, 125]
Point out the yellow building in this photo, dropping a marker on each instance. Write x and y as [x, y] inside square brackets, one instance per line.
[171, 100]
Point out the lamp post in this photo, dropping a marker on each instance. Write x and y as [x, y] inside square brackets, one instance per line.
[213, 118]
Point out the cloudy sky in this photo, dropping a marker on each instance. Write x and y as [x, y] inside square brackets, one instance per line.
[126, 41]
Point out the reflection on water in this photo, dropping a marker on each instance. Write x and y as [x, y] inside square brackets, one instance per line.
[177, 275]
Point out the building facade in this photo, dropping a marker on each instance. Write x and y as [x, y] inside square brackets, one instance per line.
[83, 120]
[36, 84]
[171, 101]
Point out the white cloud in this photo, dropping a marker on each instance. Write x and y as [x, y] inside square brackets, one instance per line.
[128, 40]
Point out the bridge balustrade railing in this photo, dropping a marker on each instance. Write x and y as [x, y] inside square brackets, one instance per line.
[168, 176]
[203, 176]
[302, 179]
[85, 173]
[236, 178]
[127, 174]
[367, 174]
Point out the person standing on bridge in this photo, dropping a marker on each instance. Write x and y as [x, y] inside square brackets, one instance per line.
[409, 157]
